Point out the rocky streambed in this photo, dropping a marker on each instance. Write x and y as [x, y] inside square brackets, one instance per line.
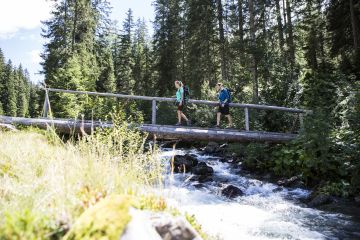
[230, 203]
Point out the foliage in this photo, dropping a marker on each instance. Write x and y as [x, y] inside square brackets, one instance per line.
[193, 222]
[17, 93]
[58, 181]
[25, 224]
[105, 220]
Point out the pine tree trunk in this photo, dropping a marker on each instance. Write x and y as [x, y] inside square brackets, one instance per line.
[74, 26]
[290, 35]
[222, 41]
[266, 73]
[241, 23]
[254, 61]
[354, 26]
[65, 24]
[279, 25]
[321, 31]
[284, 13]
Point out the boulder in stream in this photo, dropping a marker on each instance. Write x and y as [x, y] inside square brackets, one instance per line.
[230, 191]
[174, 228]
[184, 163]
[158, 226]
[294, 182]
[202, 169]
[319, 199]
[212, 147]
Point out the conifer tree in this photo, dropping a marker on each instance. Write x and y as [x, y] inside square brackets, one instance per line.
[2, 87]
[123, 56]
[8, 95]
[201, 35]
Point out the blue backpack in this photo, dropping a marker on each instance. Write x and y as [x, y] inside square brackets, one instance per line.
[229, 98]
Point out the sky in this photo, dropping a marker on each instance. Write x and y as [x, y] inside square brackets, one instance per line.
[20, 28]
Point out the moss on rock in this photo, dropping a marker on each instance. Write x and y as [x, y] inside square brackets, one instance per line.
[106, 220]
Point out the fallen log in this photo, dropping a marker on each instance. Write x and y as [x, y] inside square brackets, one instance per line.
[68, 126]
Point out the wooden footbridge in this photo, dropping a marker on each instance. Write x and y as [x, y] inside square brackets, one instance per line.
[162, 131]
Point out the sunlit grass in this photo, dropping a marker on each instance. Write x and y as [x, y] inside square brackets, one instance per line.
[46, 184]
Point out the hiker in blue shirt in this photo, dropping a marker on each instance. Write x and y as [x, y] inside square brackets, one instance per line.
[224, 100]
[180, 103]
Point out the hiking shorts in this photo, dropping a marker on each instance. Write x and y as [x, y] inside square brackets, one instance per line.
[224, 110]
[180, 107]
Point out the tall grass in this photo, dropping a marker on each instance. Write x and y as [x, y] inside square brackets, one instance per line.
[45, 183]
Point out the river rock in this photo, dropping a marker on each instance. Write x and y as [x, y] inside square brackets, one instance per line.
[212, 147]
[294, 182]
[231, 191]
[174, 228]
[278, 189]
[140, 227]
[184, 163]
[320, 199]
[202, 169]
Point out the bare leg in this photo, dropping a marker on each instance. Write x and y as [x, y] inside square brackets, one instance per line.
[183, 116]
[179, 116]
[218, 118]
[230, 120]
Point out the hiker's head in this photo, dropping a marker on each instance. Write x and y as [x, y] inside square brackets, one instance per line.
[218, 86]
[178, 84]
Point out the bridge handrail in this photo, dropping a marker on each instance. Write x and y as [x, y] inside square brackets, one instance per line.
[165, 99]
[154, 101]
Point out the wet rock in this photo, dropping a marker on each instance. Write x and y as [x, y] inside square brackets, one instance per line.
[174, 228]
[140, 227]
[212, 147]
[231, 191]
[202, 169]
[294, 182]
[199, 185]
[158, 226]
[184, 163]
[267, 177]
[278, 189]
[202, 178]
[319, 199]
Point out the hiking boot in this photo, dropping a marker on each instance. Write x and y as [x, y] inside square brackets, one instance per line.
[188, 122]
[216, 127]
[178, 124]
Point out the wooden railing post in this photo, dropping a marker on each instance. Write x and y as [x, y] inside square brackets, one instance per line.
[247, 125]
[301, 118]
[153, 117]
[46, 105]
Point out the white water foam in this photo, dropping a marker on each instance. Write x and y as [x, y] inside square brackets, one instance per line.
[261, 213]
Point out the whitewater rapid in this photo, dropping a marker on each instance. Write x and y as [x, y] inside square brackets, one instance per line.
[265, 211]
